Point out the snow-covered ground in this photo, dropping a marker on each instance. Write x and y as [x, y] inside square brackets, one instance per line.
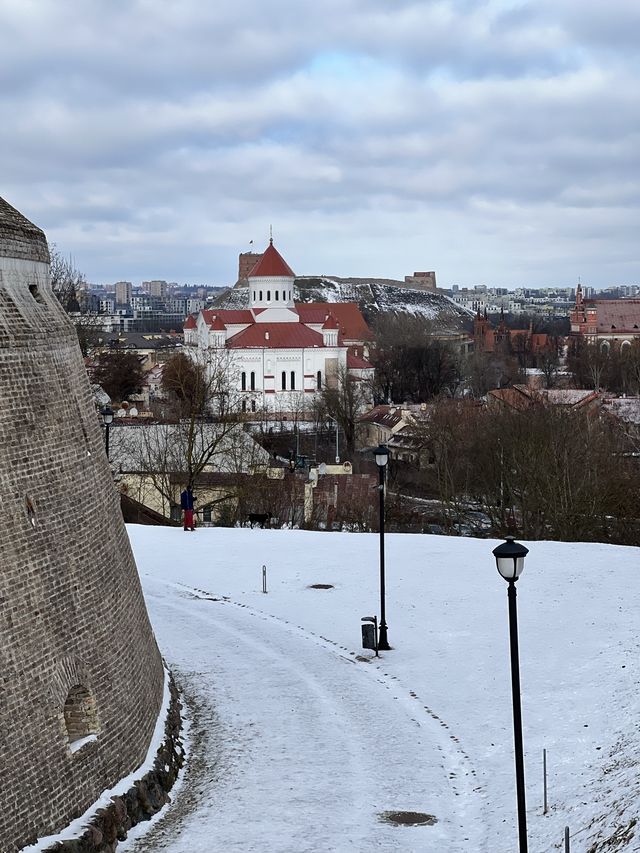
[300, 739]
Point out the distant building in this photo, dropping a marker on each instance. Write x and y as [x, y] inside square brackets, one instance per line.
[421, 281]
[157, 287]
[124, 291]
[607, 322]
[281, 354]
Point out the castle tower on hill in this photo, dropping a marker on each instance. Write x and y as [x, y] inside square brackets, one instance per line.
[81, 678]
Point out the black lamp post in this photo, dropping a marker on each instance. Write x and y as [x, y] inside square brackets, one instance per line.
[107, 420]
[381, 454]
[510, 561]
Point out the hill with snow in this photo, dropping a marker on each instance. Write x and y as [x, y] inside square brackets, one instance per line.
[303, 741]
[374, 296]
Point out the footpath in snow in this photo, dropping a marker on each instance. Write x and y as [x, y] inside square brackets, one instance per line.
[300, 740]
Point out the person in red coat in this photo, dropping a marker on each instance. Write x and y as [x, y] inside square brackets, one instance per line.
[186, 502]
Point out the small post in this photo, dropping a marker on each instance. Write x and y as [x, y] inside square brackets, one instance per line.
[544, 782]
[567, 848]
[264, 578]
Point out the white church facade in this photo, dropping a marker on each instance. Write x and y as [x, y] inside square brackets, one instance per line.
[280, 354]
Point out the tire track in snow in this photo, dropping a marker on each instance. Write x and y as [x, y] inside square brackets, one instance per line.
[456, 762]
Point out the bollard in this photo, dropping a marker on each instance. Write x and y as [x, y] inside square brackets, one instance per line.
[264, 578]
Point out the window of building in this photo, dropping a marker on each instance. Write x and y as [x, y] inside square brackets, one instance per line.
[253, 381]
[253, 405]
[319, 380]
[284, 380]
[284, 295]
[80, 714]
[243, 381]
[254, 296]
[277, 295]
[244, 405]
[35, 292]
[260, 296]
[268, 296]
[176, 513]
[206, 514]
[293, 380]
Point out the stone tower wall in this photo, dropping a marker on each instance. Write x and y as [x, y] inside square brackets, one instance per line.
[72, 613]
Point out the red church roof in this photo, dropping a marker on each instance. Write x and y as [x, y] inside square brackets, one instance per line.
[276, 336]
[352, 324]
[229, 316]
[330, 322]
[190, 322]
[271, 264]
[217, 324]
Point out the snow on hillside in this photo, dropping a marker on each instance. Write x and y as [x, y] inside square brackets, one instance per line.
[374, 296]
[301, 739]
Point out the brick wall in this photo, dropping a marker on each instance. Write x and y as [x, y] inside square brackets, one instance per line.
[71, 607]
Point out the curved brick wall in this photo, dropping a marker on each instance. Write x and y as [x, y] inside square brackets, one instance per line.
[71, 607]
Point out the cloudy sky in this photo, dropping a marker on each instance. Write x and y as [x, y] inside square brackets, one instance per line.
[496, 142]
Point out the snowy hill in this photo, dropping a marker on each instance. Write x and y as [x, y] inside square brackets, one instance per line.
[373, 295]
[301, 740]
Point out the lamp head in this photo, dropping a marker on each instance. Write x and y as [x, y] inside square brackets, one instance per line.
[510, 558]
[381, 454]
[107, 415]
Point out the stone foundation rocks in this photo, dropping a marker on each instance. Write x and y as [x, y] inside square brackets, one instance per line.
[145, 797]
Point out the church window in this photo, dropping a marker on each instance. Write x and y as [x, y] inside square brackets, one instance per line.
[277, 295]
[284, 295]
[243, 381]
[260, 296]
[319, 380]
[253, 405]
[253, 381]
[254, 296]
[293, 380]
[244, 405]
[268, 296]
[80, 714]
[284, 380]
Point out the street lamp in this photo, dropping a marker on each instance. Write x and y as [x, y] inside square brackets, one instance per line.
[337, 447]
[107, 420]
[510, 562]
[381, 454]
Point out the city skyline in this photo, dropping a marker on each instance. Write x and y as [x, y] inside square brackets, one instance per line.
[493, 142]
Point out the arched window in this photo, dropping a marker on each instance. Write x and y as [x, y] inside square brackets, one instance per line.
[253, 405]
[243, 381]
[260, 296]
[319, 380]
[284, 380]
[293, 380]
[252, 383]
[277, 295]
[268, 296]
[254, 296]
[605, 347]
[284, 295]
[625, 345]
[244, 405]
[80, 714]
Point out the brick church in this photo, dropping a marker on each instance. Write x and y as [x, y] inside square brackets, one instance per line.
[607, 322]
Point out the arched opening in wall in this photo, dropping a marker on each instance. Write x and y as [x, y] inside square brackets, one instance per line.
[624, 346]
[268, 296]
[243, 381]
[31, 511]
[604, 348]
[293, 380]
[319, 380]
[252, 383]
[277, 295]
[80, 715]
[35, 292]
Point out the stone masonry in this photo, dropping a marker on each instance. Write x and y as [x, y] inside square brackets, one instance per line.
[81, 676]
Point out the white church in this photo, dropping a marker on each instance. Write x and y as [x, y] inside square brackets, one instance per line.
[280, 354]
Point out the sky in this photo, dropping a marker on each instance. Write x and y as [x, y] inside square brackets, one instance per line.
[495, 142]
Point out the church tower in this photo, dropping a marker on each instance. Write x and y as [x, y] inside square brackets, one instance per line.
[82, 677]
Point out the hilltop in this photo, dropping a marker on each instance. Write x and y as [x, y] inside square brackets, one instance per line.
[374, 296]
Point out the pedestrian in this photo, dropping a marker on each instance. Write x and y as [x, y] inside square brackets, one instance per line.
[186, 502]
